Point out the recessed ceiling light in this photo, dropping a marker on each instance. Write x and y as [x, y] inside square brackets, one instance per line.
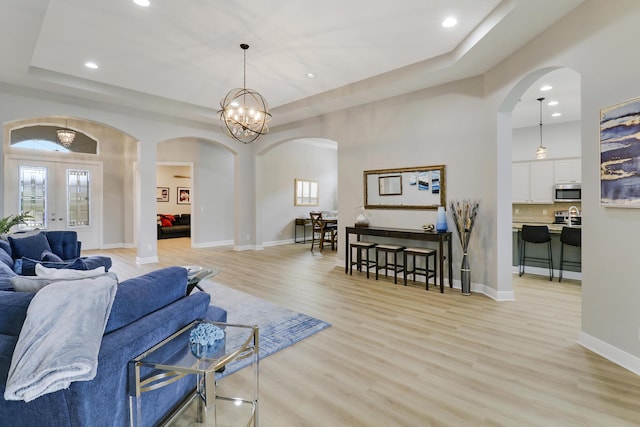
[449, 22]
[552, 103]
[546, 88]
[91, 64]
[143, 3]
[556, 114]
[311, 75]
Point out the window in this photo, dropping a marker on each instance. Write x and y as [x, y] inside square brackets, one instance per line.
[306, 193]
[33, 195]
[78, 198]
[44, 138]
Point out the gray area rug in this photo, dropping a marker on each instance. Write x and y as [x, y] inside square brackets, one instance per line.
[279, 327]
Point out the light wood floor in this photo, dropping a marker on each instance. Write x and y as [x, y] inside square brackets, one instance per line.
[401, 356]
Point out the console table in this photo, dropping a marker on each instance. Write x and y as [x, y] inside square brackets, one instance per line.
[407, 234]
[304, 223]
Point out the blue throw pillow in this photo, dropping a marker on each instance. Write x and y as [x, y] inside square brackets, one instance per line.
[50, 257]
[29, 265]
[28, 245]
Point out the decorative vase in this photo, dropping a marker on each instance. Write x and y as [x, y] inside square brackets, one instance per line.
[465, 275]
[361, 219]
[441, 222]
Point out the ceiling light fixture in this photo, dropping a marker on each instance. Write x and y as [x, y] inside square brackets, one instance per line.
[91, 64]
[449, 22]
[66, 135]
[244, 112]
[143, 3]
[541, 151]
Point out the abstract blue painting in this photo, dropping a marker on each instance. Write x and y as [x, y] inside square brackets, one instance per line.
[620, 155]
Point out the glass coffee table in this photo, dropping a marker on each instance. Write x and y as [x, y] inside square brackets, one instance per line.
[206, 406]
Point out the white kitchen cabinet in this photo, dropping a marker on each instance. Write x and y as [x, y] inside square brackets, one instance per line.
[520, 182]
[568, 171]
[532, 182]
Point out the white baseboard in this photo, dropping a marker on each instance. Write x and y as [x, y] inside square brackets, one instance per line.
[277, 243]
[248, 248]
[212, 244]
[540, 271]
[609, 352]
[146, 260]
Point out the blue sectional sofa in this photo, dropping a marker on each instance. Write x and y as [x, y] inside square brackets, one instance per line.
[146, 310]
[20, 252]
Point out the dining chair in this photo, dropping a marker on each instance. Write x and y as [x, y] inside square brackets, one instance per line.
[322, 232]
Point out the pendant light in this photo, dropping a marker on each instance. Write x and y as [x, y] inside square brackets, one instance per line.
[244, 112]
[541, 151]
[66, 135]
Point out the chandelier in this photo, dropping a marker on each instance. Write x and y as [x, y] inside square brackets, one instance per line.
[66, 136]
[244, 112]
[541, 151]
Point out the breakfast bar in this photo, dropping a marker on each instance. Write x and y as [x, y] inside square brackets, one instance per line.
[406, 234]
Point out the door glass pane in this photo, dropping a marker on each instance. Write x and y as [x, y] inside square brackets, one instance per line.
[33, 195]
[77, 198]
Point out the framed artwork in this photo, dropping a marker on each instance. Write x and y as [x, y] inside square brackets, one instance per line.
[184, 195]
[390, 185]
[162, 194]
[620, 155]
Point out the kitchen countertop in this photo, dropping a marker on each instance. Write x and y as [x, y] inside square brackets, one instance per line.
[553, 228]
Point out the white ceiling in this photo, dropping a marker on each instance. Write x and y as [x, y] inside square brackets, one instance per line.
[181, 57]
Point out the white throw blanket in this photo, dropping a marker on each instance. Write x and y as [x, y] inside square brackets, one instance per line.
[60, 339]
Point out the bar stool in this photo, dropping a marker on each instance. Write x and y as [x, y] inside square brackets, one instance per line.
[386, 250]
[535, 234]
[573, 237]
[362, 248]
[425, 253]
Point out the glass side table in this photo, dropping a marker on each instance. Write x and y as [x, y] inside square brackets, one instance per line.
[156, 369]
[196, 273]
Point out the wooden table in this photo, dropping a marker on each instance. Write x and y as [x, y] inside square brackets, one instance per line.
[407, 234]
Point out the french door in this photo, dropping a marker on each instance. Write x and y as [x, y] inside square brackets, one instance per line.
[59, 196]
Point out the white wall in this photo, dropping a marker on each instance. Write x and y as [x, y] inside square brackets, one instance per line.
[440, 126]
[277, 170]
[563, 140]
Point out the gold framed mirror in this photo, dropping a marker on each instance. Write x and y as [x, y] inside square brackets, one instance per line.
[421, 187]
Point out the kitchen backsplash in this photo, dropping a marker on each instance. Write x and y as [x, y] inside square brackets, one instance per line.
[539, 213]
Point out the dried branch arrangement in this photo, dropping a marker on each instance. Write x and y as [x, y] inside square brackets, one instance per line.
[464, 214]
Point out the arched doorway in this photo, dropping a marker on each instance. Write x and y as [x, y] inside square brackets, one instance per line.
[520, 102]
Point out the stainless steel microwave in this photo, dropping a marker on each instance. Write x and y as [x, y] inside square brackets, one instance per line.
[567, 192]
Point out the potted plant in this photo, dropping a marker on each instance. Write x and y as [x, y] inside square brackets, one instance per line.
[7, 222]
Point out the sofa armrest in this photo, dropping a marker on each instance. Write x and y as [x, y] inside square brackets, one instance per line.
[145, 294]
